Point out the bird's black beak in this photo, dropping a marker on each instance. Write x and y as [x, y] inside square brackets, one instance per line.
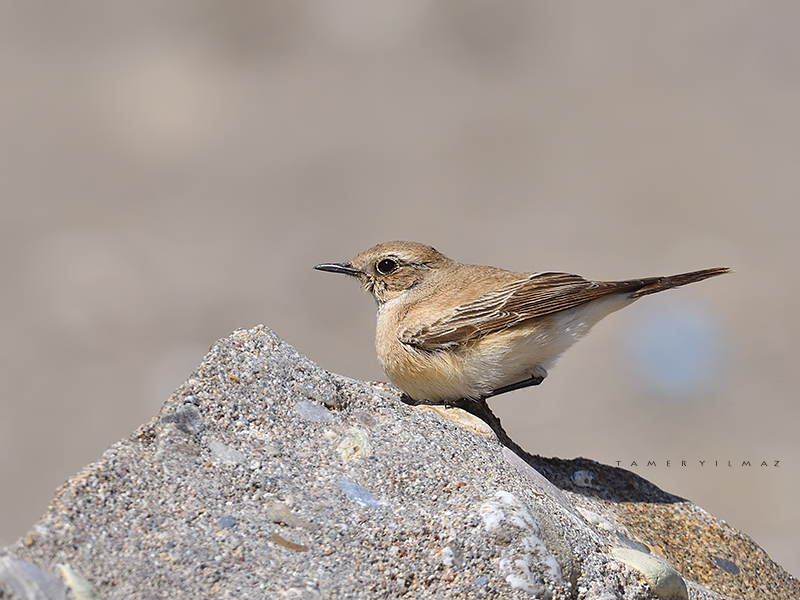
[345, 268]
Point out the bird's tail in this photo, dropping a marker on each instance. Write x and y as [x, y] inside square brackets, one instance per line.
[651, 285]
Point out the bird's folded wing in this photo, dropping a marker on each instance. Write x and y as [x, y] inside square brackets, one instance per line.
[536, 295]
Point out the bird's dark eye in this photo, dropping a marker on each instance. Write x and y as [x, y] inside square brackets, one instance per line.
[386, 266]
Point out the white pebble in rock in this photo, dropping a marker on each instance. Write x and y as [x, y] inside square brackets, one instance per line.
[80, 586]
[355, 445]
[225, 453]
[451, 557]
[309, 411]
[521, 547]
[357, 493]
[321, 391]
[596, 519]
[662, 576]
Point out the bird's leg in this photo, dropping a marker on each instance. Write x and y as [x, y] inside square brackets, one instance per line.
[478, 408]
[532, 380]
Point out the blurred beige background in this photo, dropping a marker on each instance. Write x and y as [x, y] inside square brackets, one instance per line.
[171, 173]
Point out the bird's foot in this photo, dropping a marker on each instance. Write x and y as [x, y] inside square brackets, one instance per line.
[413, 402]
[424, 402]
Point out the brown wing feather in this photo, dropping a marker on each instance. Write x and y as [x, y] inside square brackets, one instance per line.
[533, 296]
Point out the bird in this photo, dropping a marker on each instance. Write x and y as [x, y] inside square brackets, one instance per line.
[449, 332]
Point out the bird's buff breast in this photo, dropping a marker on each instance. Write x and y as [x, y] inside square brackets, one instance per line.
[470, 370]
[477, 367]
[437, 376]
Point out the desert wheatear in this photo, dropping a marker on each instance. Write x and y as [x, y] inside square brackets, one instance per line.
[448, 331]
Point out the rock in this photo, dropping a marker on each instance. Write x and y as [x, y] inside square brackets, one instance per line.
[266, 476]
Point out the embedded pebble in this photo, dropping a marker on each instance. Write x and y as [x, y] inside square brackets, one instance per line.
[225, 453]
[226, 522]
[313, 412]
[80, 586]
[365, 419]
[287, 544]
[355, 445]
[452, 557]
[357, 493]
[662, 576]
[510, 521]
[596, 519]
[278, 512]
[186, 418]
[320, 392]
[727, 565]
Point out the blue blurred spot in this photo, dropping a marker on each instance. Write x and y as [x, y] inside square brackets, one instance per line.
[676, 350]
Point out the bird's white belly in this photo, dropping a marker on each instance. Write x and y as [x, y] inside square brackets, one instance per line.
[532, 348]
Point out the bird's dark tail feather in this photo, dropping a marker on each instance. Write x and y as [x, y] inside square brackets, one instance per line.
[651, 285]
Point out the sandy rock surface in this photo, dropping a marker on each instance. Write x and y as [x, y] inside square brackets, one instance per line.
[265, 476]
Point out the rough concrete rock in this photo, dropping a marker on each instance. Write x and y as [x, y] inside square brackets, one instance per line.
[265, 476]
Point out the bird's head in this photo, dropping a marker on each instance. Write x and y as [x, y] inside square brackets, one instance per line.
[390, 269]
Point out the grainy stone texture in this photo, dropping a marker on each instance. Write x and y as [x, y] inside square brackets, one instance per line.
[264, 476]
